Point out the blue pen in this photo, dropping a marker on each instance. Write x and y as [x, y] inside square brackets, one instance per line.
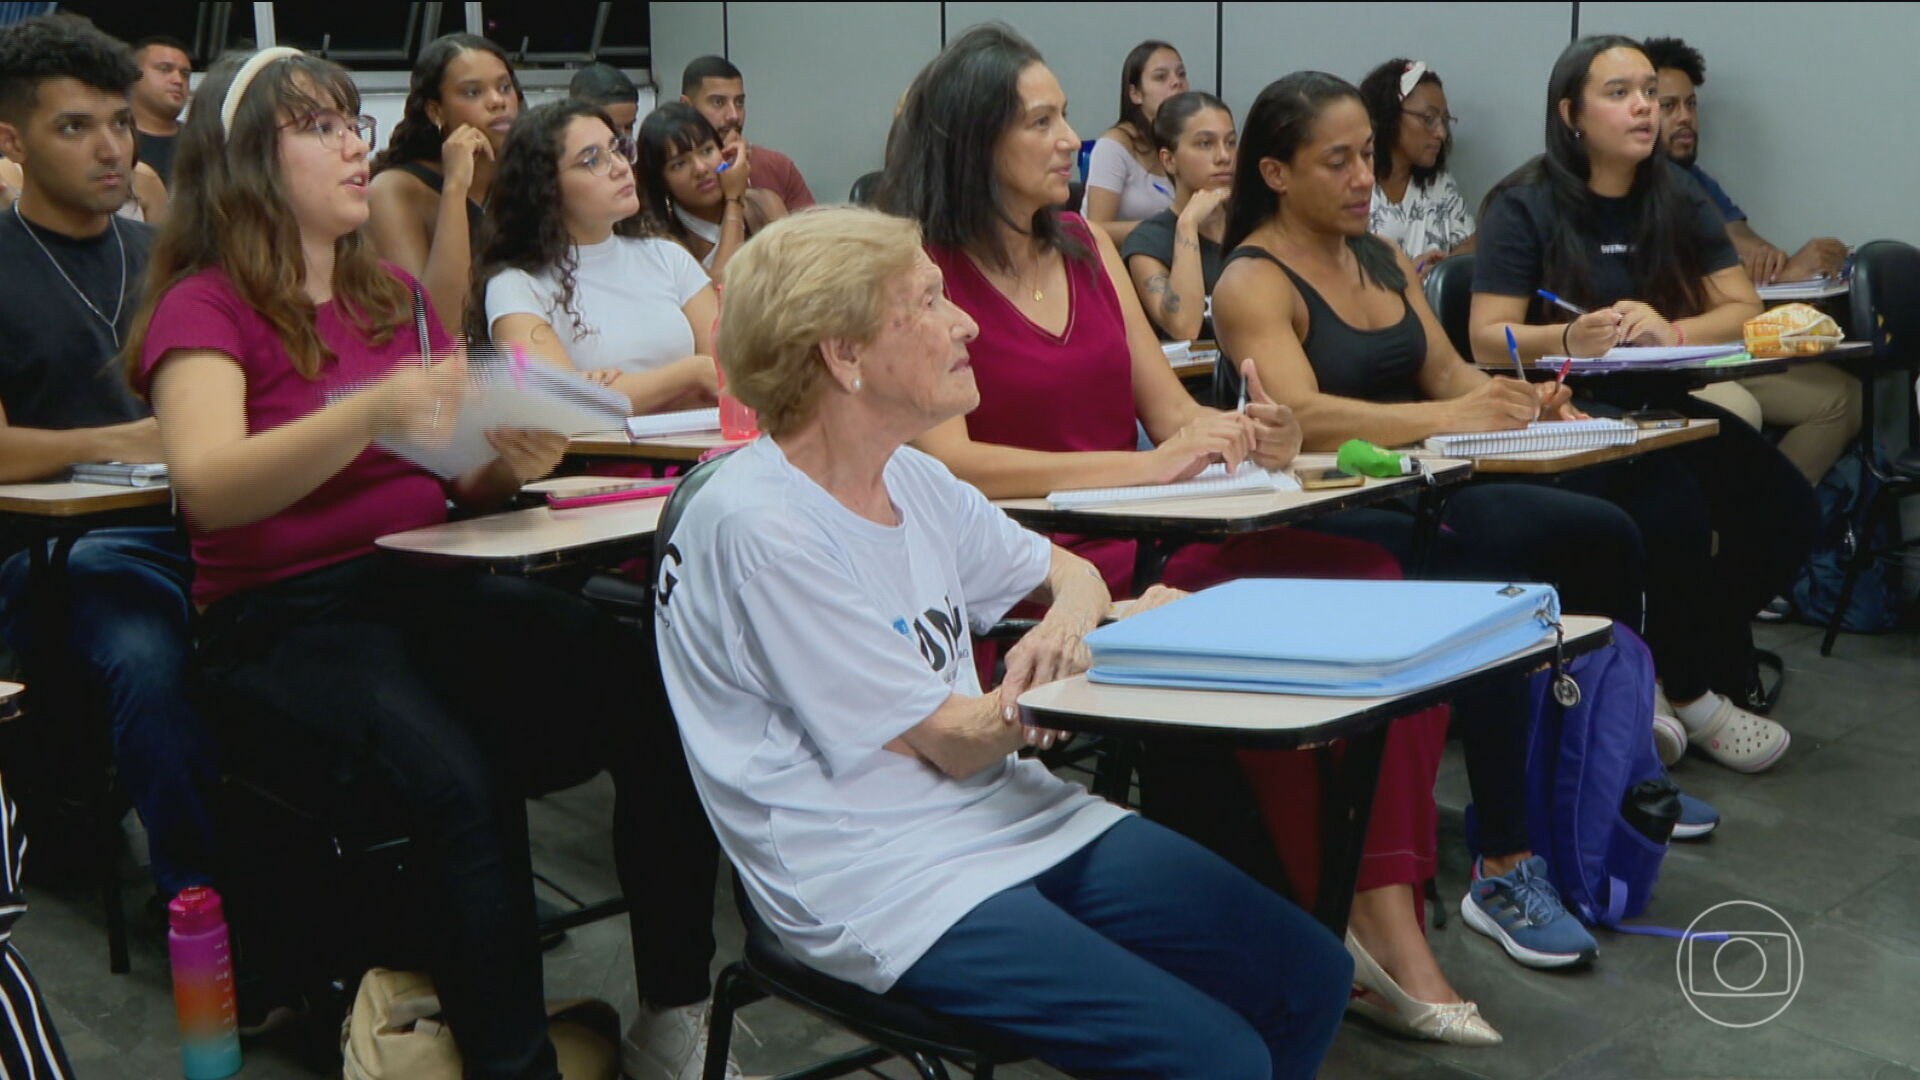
[1559, 303]
[1519, 371]
[722, 167]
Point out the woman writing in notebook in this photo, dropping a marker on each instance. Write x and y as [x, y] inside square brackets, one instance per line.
[696, 192]
[276, 348]
[430, 186]
[568, 272]
[981, 158]
[1606, 222]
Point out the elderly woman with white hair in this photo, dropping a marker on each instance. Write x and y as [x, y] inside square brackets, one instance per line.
[814, 640]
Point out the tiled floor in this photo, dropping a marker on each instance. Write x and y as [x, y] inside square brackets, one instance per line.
[1830, 839]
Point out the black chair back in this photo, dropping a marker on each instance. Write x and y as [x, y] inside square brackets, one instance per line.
[1450, 293]
[683, 492]
[1885, 302]
[862, 192]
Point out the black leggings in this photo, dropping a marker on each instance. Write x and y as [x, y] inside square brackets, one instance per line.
[1587, 548]
[460, 696]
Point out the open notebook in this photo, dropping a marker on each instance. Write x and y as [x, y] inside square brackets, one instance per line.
[1805, 289]
[1213, 480]
[1537, 436]
[684, 422]
[505, 392]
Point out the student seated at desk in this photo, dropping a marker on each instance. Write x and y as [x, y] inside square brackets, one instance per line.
[1603, 220]
[431, 185]
[1818, 404]
[1126, 177]
[717, 90]
[609, 88]
[813, 637]
[986, 119]
[72, 284]
[268, 400]
[697, 189]
[568, 270]
[1174, 256]
[1416, 204]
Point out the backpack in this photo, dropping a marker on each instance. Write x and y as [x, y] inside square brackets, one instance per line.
[1844, 493]
[1595, 787]
[395, 1031]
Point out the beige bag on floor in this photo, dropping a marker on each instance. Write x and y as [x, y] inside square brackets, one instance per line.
[395, 1033]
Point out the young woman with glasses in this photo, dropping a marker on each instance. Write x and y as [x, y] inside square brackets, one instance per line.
[567, 271]
[1416, 204]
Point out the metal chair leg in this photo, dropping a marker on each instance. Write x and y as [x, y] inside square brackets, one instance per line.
[1863, 554]
[720, 1021]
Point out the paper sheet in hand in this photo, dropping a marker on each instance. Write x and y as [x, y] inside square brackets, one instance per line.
[684, 422]
[538, 397]
[1323, 638]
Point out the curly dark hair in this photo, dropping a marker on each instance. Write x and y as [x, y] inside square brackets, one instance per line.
[415, 137]
[666, 133]
[58, 47]
[525, 227]
[1672, 52]
[1380, 93]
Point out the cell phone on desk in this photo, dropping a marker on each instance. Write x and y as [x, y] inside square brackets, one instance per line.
[1316, 479]
[1657, 419]
[621, 492]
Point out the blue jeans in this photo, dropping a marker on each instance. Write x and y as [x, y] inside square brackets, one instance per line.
[129, 632]
[1144, 955]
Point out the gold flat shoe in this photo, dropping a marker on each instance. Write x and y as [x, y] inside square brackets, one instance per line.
[1457, 1022]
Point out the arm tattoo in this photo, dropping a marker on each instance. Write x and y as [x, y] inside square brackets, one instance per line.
[1160, 287]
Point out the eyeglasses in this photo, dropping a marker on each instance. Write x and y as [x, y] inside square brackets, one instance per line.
[1433, 121]
[597, 160]
[331, 128]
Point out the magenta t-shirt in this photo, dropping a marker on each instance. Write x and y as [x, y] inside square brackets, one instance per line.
[376, 494]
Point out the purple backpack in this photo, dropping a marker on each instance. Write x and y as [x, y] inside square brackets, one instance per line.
[1586, 765]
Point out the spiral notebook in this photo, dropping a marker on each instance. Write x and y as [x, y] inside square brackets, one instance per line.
[1642, 358]
[1213, 480]
[1541, 435]
[150, 474]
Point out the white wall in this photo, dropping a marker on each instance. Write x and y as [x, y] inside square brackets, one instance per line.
[1085, 44]
[822, 80]
[1493, 59]
[1808, 109]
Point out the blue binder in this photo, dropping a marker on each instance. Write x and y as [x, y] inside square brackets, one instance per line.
[1323, 638]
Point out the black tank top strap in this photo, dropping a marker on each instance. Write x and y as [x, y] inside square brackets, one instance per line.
[1373, 365]
[433, 179]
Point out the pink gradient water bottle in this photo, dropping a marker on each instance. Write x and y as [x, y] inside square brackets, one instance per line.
[203, 985]
[737, 422]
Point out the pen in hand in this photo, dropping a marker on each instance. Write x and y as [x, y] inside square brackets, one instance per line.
[1550, 298]
[1519, 370]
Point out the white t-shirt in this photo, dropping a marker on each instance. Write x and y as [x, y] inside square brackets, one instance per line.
[797, 639]
[1427, 219]
[628, 292]
[1112, 167]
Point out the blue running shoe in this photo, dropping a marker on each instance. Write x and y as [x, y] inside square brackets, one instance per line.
[1697, 819]
[1522, 911]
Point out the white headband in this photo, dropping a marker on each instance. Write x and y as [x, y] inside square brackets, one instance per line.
[237, 89]
[1409, 79]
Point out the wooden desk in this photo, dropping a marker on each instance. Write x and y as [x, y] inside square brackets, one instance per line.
[71, 499]
[1227, 515]
[1554, 462]
[524, 541]
[1288, 721]
[682, 449]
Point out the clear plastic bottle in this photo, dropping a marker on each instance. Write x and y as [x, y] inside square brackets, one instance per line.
[203, 994]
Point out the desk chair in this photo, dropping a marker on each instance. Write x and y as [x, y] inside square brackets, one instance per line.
[1449, 288]
[864, 189]
[1886, 311]
[896, 1028]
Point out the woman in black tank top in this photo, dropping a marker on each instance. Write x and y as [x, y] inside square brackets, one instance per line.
[1360, 353]
[1339, 329]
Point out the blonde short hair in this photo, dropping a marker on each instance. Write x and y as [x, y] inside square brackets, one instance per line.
[811, 277]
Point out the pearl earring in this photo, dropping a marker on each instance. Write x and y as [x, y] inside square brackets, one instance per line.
[856, 384]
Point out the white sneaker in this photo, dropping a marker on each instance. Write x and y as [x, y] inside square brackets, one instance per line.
[1669, 734]
[670, 1044]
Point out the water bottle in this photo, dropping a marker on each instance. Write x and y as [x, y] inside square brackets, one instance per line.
[738, 423]
[203, 985]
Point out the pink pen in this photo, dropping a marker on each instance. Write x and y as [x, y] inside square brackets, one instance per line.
[517, 366]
